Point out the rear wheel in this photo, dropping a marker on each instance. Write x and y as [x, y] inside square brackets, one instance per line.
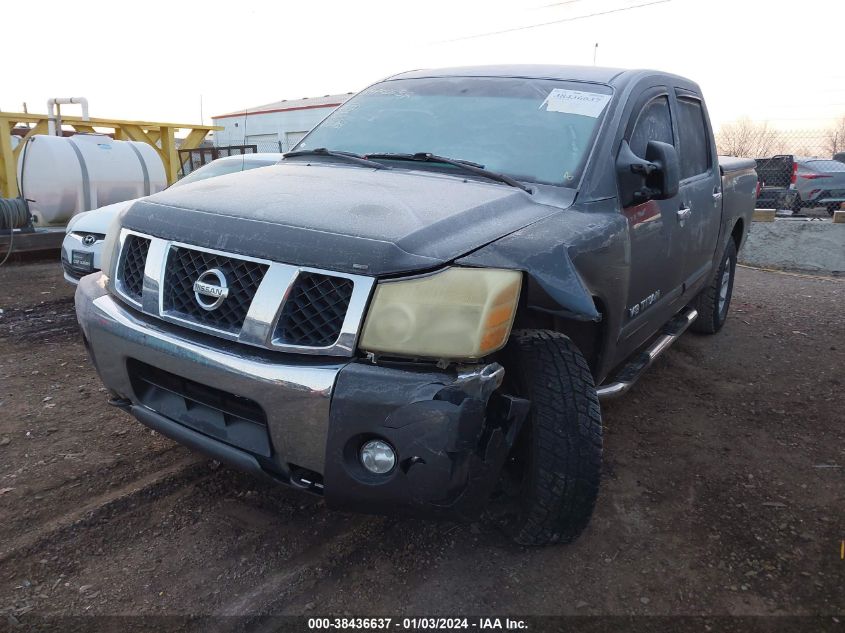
[714, 301]
[551, 482]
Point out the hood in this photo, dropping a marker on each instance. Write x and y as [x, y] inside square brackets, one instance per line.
[98, 220]
[342, 218]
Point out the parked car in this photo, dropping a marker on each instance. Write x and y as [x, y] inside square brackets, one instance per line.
[820, 182]
[86, 232]
[419, 309]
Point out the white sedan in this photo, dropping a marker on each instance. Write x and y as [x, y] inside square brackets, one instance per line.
[85, 233]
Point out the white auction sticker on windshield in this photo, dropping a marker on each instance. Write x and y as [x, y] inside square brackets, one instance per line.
[575, 102]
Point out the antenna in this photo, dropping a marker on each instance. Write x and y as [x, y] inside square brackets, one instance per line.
[595, 51]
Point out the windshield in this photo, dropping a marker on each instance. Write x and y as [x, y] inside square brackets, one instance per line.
[536, 130]
[217, 168]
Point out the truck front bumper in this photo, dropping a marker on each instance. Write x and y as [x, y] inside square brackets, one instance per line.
[300, 420]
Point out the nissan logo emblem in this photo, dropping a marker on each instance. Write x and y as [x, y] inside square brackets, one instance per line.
[211, 289]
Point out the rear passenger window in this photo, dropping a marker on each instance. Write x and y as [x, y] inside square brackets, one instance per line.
[694, 145]
[653, 124]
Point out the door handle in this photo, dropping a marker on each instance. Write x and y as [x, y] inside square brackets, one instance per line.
[683, 215]
[717, 195]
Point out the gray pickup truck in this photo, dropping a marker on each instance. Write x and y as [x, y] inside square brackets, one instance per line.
[420, 308]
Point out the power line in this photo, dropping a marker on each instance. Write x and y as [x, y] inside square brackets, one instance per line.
[558, 4]
[572, 19]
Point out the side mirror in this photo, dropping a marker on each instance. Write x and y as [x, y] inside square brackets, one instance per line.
[655, 177]
[667, 177]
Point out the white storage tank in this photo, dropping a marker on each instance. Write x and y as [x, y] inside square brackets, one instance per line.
[62, 176]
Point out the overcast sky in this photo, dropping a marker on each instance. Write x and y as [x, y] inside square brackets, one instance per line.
[774, 60]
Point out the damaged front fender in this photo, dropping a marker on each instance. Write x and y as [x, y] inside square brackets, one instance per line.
[544, 252]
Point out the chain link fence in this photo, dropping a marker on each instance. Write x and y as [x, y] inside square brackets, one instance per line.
[801, 171]
[274, 146]
[754, 139]
[191, 159]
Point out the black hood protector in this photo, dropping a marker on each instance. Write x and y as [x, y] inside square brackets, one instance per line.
[348, 219]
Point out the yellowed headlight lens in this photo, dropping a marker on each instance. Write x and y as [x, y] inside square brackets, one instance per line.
[459, 313]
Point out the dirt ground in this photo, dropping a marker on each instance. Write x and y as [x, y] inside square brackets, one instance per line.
[722, 493]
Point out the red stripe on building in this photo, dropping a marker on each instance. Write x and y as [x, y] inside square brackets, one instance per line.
[251, 112]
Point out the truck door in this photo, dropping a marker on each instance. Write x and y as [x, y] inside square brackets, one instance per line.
[656, 255]
[700, 208]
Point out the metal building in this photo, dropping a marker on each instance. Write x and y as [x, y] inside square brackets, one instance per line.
[274, 127]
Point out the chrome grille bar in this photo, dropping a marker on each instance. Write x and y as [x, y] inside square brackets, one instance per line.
[265, 309]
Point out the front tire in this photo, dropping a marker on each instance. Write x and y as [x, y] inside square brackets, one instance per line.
[555, 470]
[714, 301]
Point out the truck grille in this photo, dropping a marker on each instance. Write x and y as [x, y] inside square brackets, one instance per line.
[314, 312]
[265, 304]
[183, 268]
[134, 262]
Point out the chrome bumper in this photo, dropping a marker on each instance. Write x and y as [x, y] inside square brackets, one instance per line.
[450, 429]
[296, 397]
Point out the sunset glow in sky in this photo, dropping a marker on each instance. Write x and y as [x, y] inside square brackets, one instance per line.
[766, 59]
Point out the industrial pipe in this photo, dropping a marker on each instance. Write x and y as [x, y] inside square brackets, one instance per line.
[54, 112]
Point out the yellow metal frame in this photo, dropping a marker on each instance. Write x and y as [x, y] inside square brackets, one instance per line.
[160, 136]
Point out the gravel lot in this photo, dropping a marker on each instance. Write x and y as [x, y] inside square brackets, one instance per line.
[723, 492]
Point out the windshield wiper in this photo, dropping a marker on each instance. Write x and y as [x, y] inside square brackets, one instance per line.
[351, 157]
[465, 165]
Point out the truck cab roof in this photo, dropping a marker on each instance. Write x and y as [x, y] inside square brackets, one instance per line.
[616, 77]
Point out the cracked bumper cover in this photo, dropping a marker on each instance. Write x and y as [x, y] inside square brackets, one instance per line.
[451, 430]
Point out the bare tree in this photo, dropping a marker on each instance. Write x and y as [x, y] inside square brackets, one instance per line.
[835, 138]
[746, 138]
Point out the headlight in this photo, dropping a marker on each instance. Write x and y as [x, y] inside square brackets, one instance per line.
[460, 313]
[110, 246]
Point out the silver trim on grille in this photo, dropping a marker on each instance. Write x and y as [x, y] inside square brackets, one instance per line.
[263, 315]
[119, 286]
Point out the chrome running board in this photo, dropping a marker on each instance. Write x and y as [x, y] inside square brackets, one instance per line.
[637, 366]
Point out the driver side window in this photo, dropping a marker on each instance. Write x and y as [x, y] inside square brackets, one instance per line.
[653, 124]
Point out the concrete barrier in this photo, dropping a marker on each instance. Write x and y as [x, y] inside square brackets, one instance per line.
[796, 244]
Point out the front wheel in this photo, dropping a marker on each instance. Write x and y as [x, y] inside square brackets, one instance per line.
[714, 301]
[551, 481]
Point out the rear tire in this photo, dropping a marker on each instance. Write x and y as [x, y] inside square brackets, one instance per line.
[714, 301]
[555, 470]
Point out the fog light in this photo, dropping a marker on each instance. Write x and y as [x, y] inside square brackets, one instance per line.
[378, 457]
